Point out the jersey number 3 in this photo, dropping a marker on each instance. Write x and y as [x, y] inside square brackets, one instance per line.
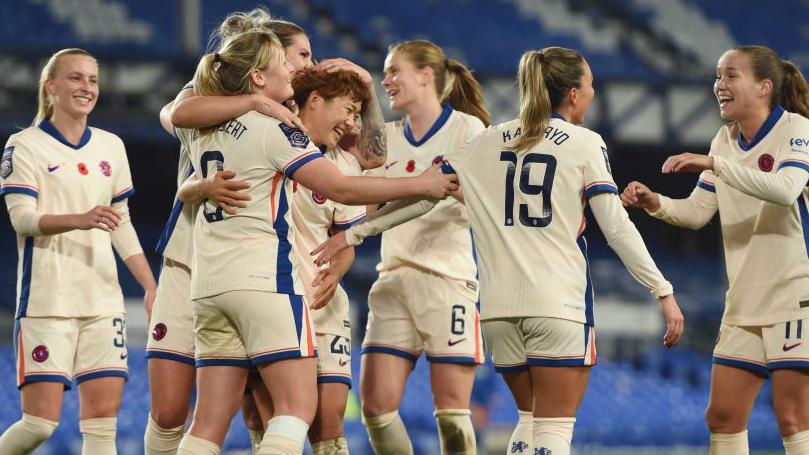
[526, 187]
[217, 157]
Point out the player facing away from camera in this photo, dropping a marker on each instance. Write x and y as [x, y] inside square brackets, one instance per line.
[755, 176]
[170, 348]
[426, 294]
[526, 183]
[66, 187]
[249, 307]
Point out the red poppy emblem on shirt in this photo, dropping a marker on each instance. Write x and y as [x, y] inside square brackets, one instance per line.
[438, 159]
[82, 169]
[40, 353]
[106, 168]
[411, 166]
[765, 162]
[319, 198]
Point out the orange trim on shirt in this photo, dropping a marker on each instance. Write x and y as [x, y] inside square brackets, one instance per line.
[310, 349]
[275, 181]
[478, 356]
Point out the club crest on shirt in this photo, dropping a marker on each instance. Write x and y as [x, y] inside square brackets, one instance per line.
[40, 353]
[7, 167]
[766, 162]
[438, 159]
[106, 168]
[295, 136]
[606, 159]
[319, 198]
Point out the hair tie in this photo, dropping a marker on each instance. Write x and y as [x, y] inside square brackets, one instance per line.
[217, 61]
[446, 63]
[541, 57]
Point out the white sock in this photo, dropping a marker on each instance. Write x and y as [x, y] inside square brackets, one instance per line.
[98, 436]
[455, 431]
[553, 435]
[729, 444]
[797, 444]
[523, 434]
[27, 434]
[285, 435]
[388, 434]
[161, 441]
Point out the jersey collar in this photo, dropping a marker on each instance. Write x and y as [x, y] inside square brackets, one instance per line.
[446, 111]
[48, 127]
[776, 114]
[558, 115]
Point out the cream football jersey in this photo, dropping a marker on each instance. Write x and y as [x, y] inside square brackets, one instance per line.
[71, 274]
[439, 241]
[177, 239]
[251, 250]
[315, 217]
[526, 211]
[766, 244]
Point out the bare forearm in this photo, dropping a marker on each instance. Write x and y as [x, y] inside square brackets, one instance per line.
[373, 140]
[58, 224]
[139, 268]
[343, 261]
[205, 111]
[373, 190]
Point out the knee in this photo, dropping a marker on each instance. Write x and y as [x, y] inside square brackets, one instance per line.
[788, 422]
[169, 415]
[722, 420]
[449, 398]
[376, 408]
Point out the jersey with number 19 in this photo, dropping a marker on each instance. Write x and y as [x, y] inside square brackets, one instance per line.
[251, 250]
[526, 212]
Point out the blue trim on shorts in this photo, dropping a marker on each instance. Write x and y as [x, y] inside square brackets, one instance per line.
[102, 374]
[222, 363]
[751, 367]
[188, 360]
[788, 364]
[511, 369]
[557, 362]
[266, 358]
[32, 378]
[334, 380]
[466, 360]
[390, 351]
[296, 303]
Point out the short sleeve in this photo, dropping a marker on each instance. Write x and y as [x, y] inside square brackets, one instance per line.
[457, 157]
[18, 170]
[123, 188]
[796, 145]
[597, 170]
[288, 149]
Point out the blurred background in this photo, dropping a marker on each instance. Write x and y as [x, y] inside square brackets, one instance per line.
[653, 62]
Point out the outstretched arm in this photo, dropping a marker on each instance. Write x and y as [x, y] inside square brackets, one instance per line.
[693, 212]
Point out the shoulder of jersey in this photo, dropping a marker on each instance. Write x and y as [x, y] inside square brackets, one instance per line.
[580, 134]
[396, 125]
[105, 135]
[345, 158]
[466, 119]
[797, 121]
[29, 133]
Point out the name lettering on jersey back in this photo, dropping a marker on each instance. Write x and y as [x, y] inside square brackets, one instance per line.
[234, 127]
[552, 134]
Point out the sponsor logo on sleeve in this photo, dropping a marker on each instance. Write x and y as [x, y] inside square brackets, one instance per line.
[7, 167]
[295, 136]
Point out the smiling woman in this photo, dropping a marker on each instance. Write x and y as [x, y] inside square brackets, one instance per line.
[66, 187]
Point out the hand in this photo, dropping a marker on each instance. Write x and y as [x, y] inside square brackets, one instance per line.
[326, 283]
[223, 191]
[639, 196]
[334, 65]
[435, 185]
[100, 217]
[687, 162]
[330, 248]
[675, 322]
[351, 139]
[278, 111]
[148, 302]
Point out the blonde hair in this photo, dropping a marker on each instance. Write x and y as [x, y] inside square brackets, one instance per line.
[242, 21]
[227, 72]
[454, 82]
[44, 101]
[544, 79]
[789, 88]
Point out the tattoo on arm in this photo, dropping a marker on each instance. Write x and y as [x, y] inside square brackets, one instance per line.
[373, 141]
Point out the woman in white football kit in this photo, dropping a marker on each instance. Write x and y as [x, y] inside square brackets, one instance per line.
[170, 348]
[66, 187]
[426, 294]
[249, 307]
[755, 177]
[526, 183]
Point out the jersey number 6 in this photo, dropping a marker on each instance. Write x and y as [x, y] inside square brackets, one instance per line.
[217, 157]
[526, 187]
